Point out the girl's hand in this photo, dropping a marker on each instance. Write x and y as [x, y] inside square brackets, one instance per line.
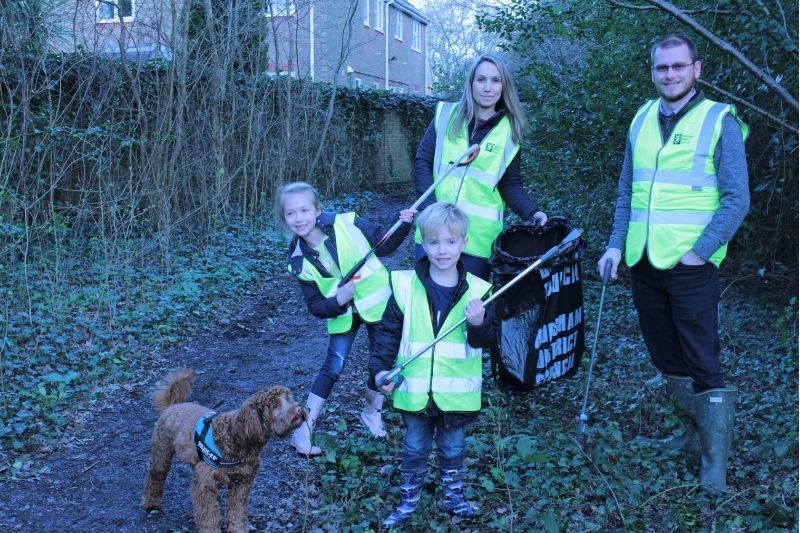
[345, 293]
[475, 312]
[407, 215]
[389, 387]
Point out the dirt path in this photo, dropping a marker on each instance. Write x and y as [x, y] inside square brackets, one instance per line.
[93, 481]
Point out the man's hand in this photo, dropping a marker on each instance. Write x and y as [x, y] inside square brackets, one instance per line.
[691, 258]
[616, 256]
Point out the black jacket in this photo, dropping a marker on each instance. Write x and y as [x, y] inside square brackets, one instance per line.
[510, 185]
[318, 305]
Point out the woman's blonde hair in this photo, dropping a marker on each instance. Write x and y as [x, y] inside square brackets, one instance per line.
[443, 214]
[293, 188]
[510, 98]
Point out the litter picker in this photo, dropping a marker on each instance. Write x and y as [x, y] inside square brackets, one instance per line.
[558, 249]
[582, 417]
[464, 159]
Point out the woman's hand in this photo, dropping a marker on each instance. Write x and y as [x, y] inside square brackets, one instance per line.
[540, 217]
[407, 215]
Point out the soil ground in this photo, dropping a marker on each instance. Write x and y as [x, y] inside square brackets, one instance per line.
[93, 480]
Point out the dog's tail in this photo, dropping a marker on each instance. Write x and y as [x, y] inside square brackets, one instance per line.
[176, 388]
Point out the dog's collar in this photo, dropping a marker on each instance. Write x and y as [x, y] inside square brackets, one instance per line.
[204, 442]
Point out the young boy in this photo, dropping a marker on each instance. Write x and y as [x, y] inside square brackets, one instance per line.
[441, 390]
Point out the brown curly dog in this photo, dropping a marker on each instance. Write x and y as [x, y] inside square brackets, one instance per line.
[239, 436]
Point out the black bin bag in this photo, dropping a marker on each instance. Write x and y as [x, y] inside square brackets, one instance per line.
[540, 319]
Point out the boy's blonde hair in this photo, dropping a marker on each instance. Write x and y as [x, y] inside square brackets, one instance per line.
[293, 188]
[443, 214]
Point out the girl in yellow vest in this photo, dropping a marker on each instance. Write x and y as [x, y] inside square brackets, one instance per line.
[441, 390]
[489, 114]
[324, 247]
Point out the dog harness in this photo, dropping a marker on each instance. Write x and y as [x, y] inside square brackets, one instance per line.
[204, 442]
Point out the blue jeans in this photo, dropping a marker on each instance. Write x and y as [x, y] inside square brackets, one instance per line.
[421, 430]
[677, 311]
[339, 347]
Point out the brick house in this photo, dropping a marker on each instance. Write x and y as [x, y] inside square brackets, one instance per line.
[374, 44]
[97, 25]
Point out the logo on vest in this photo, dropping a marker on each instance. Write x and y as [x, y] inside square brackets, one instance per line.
[680, 138]
[491, 147]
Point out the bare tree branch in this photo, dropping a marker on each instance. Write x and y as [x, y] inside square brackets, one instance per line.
[727, 48]
[748, 105]
[689, 11]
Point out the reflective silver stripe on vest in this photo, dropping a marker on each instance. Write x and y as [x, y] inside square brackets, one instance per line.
[484, 177]
[377, 297]
[509, 149]
[486, 213]
[676, 178]
[440, 166]
[639, 122]
[706, 134]
[700, 218]
[440, 384]
[445, 349]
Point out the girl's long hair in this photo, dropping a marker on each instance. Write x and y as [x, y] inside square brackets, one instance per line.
[465, 113]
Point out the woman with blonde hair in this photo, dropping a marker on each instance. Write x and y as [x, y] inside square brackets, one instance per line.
[489, 114]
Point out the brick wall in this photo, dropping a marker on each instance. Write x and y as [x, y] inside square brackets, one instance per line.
[395, 159]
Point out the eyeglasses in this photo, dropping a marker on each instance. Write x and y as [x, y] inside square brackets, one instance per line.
[677, 67]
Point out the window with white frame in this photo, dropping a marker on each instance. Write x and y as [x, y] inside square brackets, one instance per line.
[357, 84]
[366, 12]
[280, 8]
[112, 10]
[398, 24]
[416, 35]
[379, 15]
[376, 85]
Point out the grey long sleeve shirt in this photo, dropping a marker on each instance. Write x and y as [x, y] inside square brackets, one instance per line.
[732, 181]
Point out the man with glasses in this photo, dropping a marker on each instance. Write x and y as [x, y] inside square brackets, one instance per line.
[683, 192]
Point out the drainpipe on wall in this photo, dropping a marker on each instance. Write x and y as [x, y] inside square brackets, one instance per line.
[311, 46]
[386, 39]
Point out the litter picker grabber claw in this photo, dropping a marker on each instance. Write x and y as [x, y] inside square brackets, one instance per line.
[558, 249]
[463, 160]
[582, 417]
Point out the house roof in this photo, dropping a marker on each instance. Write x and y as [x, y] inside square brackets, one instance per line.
[413, 12]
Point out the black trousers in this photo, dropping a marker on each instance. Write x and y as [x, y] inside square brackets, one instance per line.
[678, 316]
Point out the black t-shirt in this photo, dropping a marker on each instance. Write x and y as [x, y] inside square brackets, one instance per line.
[440, 298]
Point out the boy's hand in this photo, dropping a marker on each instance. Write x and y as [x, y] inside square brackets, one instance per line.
[475, 312]
[389, 387]
[407, 215]
[345, 293]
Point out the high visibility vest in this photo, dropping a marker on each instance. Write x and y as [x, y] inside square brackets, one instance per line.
[478, 196]
[450, 371]
[371, 284]
[674, 193]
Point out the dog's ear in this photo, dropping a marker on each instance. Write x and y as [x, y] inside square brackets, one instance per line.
[255, 418]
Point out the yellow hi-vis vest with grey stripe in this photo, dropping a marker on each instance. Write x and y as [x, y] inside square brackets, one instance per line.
[450, 371]
[478, 196]
[371, 283]
[674, 189]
